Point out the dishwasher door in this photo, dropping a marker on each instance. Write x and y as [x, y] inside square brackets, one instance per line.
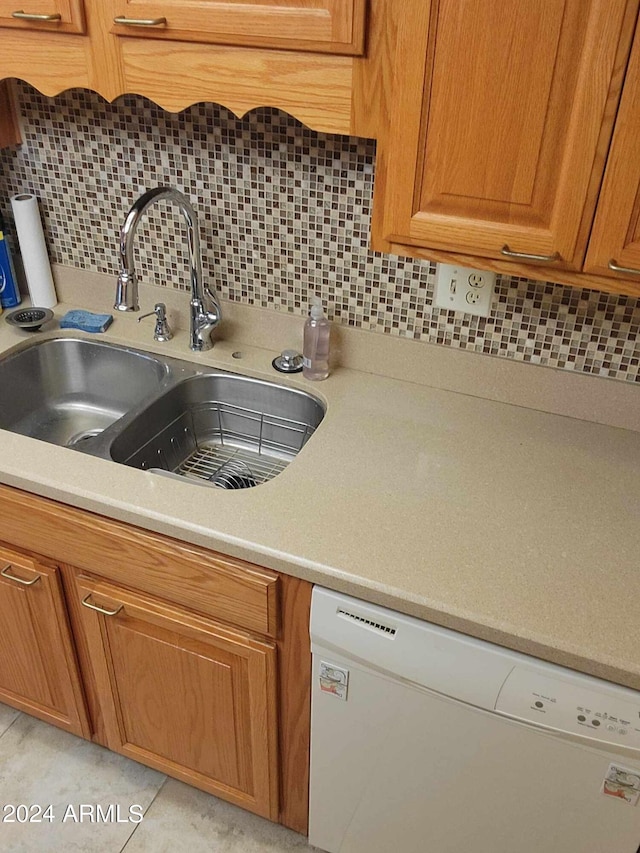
[397, 768]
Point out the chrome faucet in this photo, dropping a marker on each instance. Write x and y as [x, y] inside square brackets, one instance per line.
[205, 311]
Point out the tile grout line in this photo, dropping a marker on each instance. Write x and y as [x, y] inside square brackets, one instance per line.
[155, 797]
[15, 719]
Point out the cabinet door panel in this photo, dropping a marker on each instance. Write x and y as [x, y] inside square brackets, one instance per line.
[500, 98]
[336, 26]
[145, 659]
[66, 16]
[615, 238]
[514, 111]
[185, 695]
[38, 669]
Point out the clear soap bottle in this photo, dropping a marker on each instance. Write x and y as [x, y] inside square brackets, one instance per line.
[315, 349]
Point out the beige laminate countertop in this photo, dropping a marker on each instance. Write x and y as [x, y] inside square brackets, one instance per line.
[510, 524]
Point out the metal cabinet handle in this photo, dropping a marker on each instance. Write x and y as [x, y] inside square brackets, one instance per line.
[139, 22]
[103, 610]
[523, 256]
[30, 16]
[5, 574]
[627, 270]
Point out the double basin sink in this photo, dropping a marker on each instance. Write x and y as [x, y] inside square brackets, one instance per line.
[166, 415]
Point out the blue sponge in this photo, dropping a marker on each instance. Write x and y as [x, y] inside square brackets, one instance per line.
[86, 321]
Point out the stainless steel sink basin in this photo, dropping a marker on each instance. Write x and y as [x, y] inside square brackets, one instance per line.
[230, 431]
[66, 390]
[156, 413]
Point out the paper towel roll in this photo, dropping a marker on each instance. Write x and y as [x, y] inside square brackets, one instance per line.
[33, 249]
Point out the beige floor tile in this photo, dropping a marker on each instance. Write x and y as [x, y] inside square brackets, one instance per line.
[7, 716]
[183, 818]
[41, 765]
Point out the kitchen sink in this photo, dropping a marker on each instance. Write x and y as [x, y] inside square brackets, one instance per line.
[231, 431]
[156, 413]
[66, 390]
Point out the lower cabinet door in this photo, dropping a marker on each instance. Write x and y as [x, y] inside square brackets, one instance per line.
[184, 695]
[38, 668]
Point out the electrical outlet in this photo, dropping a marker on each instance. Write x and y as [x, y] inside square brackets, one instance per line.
[464, 289]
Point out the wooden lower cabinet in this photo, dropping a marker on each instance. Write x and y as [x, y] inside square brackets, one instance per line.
[38, 668]
[189, 661]
[184, 695]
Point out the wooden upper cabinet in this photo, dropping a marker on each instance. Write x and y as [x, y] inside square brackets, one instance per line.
[499, 125]
[615, 238]
[334, 26]
[65, 16]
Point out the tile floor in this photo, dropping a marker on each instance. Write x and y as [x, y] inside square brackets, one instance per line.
[43, 766]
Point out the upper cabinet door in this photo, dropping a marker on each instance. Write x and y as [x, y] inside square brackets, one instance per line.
[501, 114]
[335, 26]
[65, 16]
[615, 238]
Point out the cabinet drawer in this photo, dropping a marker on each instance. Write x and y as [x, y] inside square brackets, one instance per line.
[225, 588]
[335, 26]
[64, 16]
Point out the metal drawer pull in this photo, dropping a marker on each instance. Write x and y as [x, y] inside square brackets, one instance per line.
[628, 270]
[30, 16]
[5, 574]
[139, 22]
[523, 256]
[103, 610]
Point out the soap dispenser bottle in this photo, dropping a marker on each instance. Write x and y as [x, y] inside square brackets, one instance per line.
[315, 349]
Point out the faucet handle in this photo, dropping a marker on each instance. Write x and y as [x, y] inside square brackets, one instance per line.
[205, 316]
[162, 332]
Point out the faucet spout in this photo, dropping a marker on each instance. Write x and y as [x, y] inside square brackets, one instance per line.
[205, 311]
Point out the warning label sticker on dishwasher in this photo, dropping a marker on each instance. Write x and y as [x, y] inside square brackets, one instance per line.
[334, 679]
[623, 783]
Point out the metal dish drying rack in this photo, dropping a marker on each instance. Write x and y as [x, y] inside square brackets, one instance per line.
[224, 445]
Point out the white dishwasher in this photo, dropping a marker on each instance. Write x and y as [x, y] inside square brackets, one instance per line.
[427, 741]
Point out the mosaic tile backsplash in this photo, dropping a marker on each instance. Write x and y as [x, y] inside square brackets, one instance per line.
[284, 213]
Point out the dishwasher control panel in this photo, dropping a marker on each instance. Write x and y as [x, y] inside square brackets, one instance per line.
[565, 706]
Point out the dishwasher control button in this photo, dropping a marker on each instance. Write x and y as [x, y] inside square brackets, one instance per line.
[595, 722]
[539, 704]
[582, 718]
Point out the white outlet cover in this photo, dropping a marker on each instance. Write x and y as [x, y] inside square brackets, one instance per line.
[464, 289]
